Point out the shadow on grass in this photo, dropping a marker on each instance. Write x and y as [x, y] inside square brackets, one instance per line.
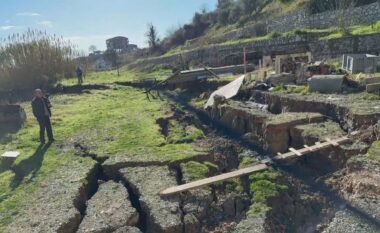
[29, 166]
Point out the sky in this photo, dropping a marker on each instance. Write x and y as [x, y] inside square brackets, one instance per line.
[91, 22]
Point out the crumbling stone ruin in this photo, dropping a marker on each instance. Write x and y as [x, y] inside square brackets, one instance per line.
[12, 114]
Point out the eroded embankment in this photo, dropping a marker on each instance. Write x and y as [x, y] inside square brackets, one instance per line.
[227, 207]
[352, 112]
[286, 121]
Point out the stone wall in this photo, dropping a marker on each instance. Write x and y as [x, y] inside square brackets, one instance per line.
[215, 55]
[301, 19]
[366, 14]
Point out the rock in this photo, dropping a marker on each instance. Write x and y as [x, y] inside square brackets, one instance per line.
[12, 114]
[163, 214]
[196, 205]
[309, 134]
[327, 83]
[277, 129]
[128, 230]
[281, 79]
[108, 210]
[348, 222]
[254, 224]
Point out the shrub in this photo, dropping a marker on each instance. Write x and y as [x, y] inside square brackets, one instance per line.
[34, 59]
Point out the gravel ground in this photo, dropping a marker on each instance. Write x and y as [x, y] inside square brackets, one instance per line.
[108, 210]
[346, 221]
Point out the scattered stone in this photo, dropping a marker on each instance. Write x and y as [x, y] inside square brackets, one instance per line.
[108, 210]
[162, 214]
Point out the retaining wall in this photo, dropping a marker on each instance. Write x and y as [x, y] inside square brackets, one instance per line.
[366, 14]
[214, 55]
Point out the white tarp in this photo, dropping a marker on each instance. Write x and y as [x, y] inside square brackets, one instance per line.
[228, 91]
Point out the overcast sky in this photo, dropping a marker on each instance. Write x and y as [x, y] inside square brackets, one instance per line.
[91, 22]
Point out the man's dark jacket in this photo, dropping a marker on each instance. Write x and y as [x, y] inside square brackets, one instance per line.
[38, 107]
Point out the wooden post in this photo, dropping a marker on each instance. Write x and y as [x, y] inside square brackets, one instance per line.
[245, 61]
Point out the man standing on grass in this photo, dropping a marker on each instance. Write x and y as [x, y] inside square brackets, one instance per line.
[41, 110]
[79, 72]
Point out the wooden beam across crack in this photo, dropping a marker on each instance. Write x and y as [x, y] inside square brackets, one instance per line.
[293, 153]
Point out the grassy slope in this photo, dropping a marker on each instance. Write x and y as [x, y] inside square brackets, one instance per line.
[114, 122]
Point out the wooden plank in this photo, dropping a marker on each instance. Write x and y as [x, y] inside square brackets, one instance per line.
[332, 142]
[308, 147]
[211, 180]
[295, 151]
[292, 154]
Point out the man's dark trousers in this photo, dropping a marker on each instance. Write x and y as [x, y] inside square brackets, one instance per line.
[44, 123]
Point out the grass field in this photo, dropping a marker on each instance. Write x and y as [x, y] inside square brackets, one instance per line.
[118, 121]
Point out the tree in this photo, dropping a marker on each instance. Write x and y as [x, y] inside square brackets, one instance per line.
[112, 57]
[223, 10]
[249, 6]
[92, 48]
[152, 37]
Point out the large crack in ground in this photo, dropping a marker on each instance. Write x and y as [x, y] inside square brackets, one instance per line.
[135, 196]
[330, 194]
[100, 176]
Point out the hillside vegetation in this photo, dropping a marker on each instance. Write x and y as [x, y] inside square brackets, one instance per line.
[230, 15]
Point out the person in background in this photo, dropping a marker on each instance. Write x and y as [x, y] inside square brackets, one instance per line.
[79, 72]
[41, 110]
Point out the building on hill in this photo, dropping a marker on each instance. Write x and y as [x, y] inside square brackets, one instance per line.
[120, 44]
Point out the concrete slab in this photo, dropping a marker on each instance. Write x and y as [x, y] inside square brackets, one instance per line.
[372, 80]
[373, 88]
[10, 154]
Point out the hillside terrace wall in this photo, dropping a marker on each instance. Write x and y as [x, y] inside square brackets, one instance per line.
[214, 55]
[366, 14]
[301, 19]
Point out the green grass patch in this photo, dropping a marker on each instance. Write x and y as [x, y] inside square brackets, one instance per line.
[366, 29]
[114, 122]
[234, 185]
[194, 170]
[263, 186]
[371, 97]
[303, 90]
[374, 152]
[354, 30]
[178, 133]
[258, 210]
[265, 189]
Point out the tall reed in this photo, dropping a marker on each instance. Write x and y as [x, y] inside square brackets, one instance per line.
[34, 59]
